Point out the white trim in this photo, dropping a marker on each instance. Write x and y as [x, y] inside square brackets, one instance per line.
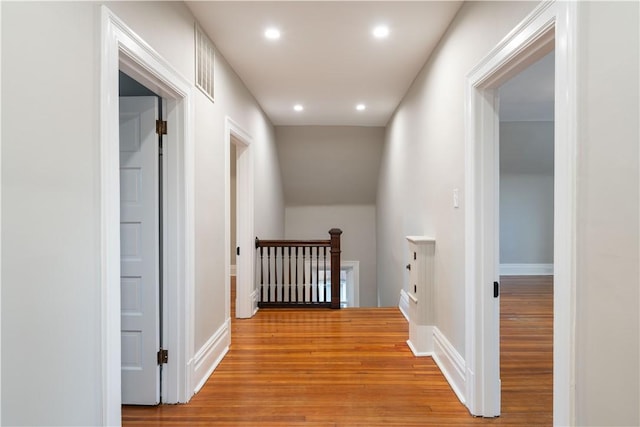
[421, 239]
[210, 355]
[412, 298]
[246, 306]
[122, 49]
[565, 214]
[352, 268]
[526, 269]
[403, 305]
[420, 339]
[529, 41]
[0, 226]
[353, 277]
[232, 270]
[254, 301]
[450, 363]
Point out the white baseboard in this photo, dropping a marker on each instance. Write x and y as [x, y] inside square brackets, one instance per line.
[450, 363]
[254, 301]
[232, 270]
[416, 352]
[526, 269]
[210, 355]
[403, 305]
[420, 336]
[420, 340]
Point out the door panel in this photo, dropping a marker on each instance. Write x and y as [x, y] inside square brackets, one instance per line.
[139, 250]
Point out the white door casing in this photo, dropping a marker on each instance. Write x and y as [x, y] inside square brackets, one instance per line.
[122, 49]
[139, 243]
[551, 25]
[246, 303]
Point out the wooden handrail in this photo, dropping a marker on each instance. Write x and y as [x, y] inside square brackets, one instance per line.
[291, 243]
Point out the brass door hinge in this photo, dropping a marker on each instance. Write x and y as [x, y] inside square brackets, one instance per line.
[163, 356]
[161, 127]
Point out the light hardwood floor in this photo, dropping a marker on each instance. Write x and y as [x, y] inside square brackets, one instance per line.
[352, 367]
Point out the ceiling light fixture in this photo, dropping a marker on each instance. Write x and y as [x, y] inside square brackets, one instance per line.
[272, 33]
[298, 107]
[381, 32]
[361, 107]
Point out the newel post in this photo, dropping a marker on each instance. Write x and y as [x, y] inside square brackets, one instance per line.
[335, 267]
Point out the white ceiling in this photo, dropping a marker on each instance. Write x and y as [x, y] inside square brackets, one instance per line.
[326, 59]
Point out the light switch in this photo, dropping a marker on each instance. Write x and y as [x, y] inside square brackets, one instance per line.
[456, 201]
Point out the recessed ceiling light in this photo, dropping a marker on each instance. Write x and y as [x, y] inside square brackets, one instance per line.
[298, 107]
[272, 33]
[381, 32]
[361, 107]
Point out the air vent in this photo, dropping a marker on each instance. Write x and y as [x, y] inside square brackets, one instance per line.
[204, 63]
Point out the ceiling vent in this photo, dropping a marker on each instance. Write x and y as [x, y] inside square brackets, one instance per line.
[205, 56]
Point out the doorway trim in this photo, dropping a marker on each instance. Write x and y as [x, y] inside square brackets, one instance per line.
[0, 231]
[122, 49]
[552, 25]
[246, 298]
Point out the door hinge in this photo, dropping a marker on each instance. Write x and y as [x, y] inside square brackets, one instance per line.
[163, 356]
[496, 289]
[238, 251]
[161, 127]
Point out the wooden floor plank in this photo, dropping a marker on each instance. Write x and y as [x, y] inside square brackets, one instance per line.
[352, 367]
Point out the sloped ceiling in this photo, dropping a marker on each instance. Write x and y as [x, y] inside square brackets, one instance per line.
[528, 96]
[329, 165]
[526, 116]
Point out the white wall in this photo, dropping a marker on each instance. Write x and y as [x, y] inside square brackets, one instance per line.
[423, 161]
[51, 201]
[526, 219]
[358, 240]
[608, 277]
[526, 192]
[50, 222]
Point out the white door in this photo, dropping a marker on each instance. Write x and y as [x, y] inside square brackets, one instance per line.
[139, 250]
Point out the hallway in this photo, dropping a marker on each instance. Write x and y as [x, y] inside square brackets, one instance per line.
[352, 367]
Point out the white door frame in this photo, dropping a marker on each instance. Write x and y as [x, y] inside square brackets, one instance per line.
[122, 49]
[246, 300]
[0, 231]
[552, 25]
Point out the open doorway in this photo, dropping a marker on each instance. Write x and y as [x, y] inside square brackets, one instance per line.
[241, 211]
[548, 27]
[233, 218]
[526, 181]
